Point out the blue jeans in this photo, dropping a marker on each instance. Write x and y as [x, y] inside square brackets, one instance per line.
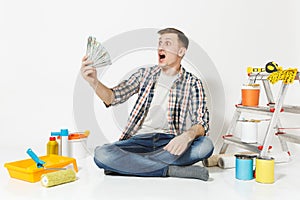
[143, 155]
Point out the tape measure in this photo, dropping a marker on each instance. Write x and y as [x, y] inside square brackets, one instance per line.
[272, 67]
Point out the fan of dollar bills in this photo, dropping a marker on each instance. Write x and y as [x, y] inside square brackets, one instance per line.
[97, 53]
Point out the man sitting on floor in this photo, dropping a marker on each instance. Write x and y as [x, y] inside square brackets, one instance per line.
[166, 130]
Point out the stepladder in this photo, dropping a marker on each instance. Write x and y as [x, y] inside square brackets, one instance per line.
[273, 109]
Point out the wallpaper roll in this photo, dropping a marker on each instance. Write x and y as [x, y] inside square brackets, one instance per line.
[226, 161]
[214, 159]
[211, 161]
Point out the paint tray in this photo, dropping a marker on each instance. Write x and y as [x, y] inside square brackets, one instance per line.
[27, 170]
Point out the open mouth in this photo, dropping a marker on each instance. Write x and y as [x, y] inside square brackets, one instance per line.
[161, 56]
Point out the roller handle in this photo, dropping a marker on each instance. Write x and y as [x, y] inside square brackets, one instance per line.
[36, 159]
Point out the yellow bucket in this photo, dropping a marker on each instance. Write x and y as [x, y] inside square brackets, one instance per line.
[264, 170]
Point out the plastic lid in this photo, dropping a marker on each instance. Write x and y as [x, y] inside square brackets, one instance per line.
[74, 136]
[52, 138]
[245, 156]
[251, 86]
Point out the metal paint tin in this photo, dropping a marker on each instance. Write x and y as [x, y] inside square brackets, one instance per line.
[244, 167]
[264, 172]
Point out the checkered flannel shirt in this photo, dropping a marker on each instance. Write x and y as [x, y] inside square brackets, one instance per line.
[186, 97]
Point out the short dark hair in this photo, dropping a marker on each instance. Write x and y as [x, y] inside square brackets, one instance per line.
[181, 36]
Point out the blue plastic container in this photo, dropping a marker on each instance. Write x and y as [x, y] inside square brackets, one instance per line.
[244, 167]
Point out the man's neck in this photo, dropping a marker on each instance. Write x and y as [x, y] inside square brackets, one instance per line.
[171, 70]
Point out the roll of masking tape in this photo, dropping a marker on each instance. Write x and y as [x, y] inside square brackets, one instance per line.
[264, 172]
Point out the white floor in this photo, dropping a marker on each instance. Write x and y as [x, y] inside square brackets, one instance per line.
[93, 184]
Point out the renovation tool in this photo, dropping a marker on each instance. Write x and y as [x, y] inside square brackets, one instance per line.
[63, 141]
[255, 70]
[58, 177]
[249, 132]
[250, 94]
[272, 67]
[40, 163]
[244, 167]
[35, 158]
[78, 145]
[264, 170]
[27, 169]
[273, 108]
[52, 146]
[211, 161]
[226, 161]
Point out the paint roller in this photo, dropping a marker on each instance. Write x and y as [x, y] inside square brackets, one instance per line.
[57, 178]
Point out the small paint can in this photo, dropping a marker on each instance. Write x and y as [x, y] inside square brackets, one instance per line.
[250, 95]
[78, 145]
[244, 167]
[264, 172]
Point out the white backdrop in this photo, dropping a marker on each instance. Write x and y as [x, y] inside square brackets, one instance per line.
[42, 43]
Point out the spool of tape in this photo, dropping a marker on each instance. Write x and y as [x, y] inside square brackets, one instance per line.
[58, 177]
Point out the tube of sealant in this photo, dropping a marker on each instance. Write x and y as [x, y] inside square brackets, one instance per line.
[63, 142]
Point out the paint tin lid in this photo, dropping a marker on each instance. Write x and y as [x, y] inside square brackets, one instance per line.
[251, 86]
[75, 136]
[265, 158]
[245, 156]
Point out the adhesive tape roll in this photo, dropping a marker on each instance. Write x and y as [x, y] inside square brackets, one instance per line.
[58, 177]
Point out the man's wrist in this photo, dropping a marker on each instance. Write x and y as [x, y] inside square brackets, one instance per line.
[188, 135]
[94, 85]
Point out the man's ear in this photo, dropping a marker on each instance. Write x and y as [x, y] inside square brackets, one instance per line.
[181, 52]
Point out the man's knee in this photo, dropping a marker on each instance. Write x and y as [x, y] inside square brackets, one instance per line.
[101, 153]
[205, 147]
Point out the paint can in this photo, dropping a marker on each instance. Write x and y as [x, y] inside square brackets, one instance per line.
[264, 172]
[250, 95]
[78, 145]
[249, 132]
[244, 167]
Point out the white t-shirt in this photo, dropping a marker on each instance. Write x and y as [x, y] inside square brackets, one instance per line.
[156, 119]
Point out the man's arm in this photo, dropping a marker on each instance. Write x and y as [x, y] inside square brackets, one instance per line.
[104, 93]
[180, 143]
[199, 118]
